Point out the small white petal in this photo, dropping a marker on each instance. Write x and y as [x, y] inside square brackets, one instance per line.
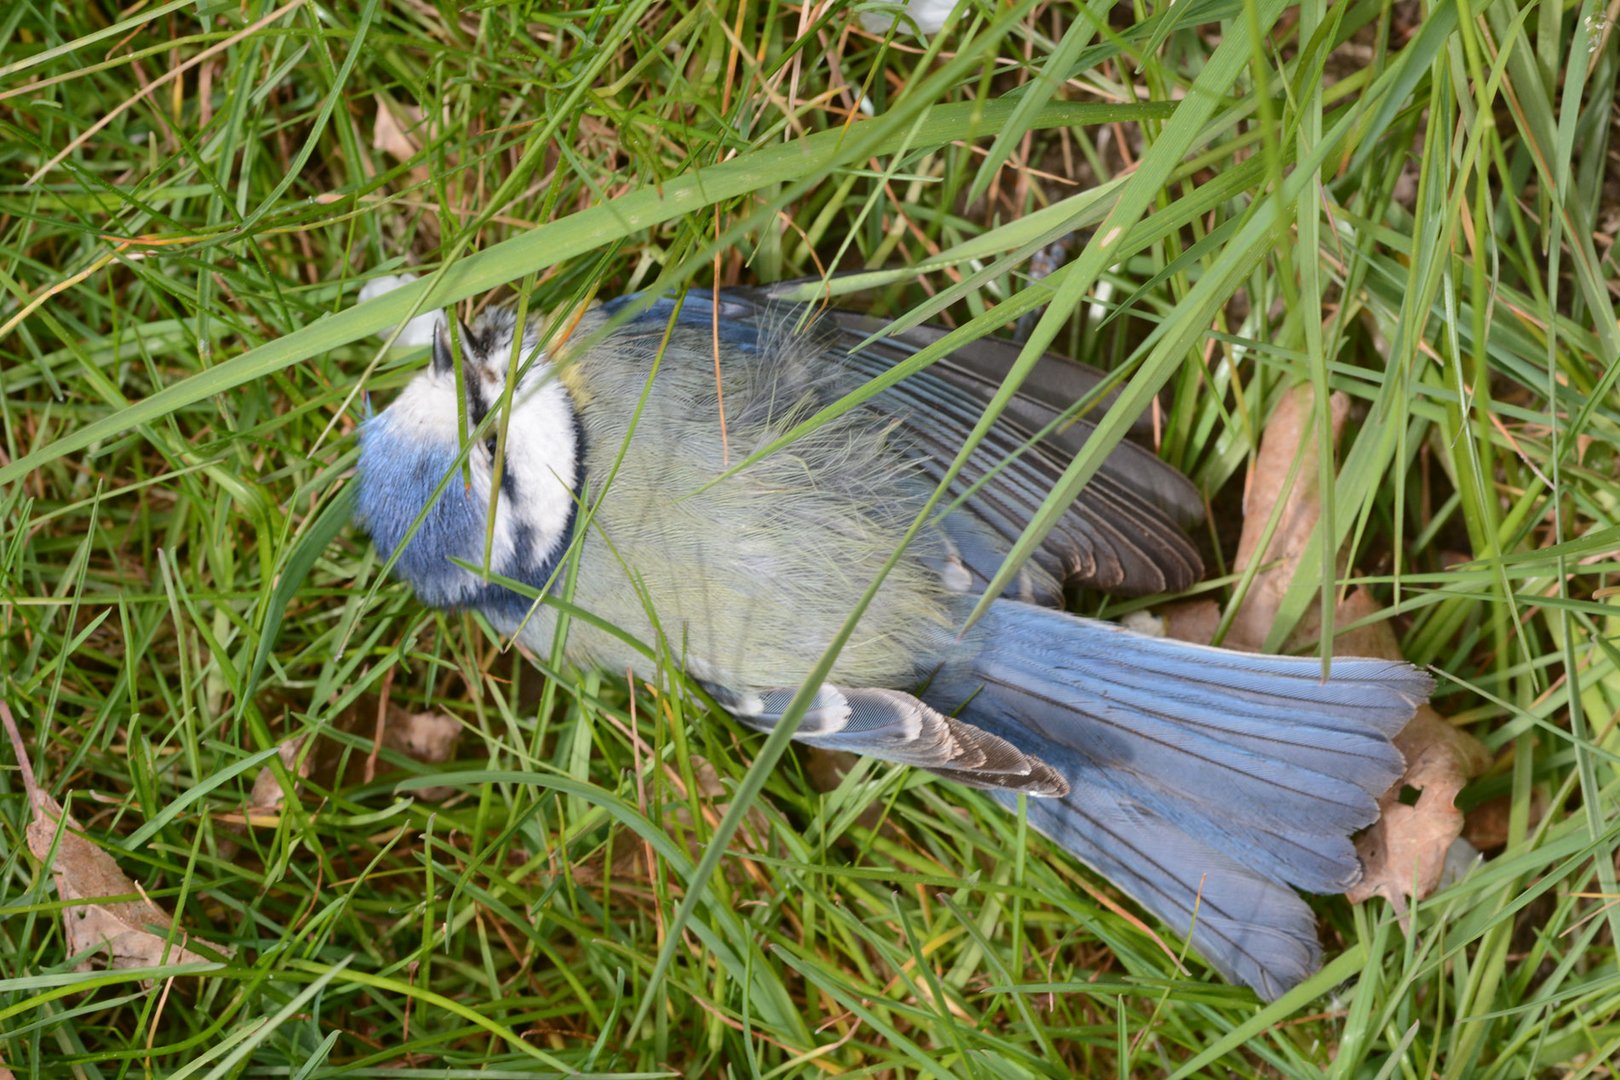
[929, 15]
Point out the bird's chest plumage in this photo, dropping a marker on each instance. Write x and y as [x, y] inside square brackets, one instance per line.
[746, 580]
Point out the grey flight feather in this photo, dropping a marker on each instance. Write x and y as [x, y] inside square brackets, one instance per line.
[895, 726]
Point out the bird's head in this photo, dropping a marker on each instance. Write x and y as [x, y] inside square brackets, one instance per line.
[490, 349]
[426, 476]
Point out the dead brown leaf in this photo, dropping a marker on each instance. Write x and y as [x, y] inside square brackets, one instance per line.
[1488, 823]
[1289, 435]
[1191, 620]
[388, 130]
[131, 932]
[1404, 853]
[425, 736]
[1374, 639]
[394, 132]
[267, 793]
[826, 769]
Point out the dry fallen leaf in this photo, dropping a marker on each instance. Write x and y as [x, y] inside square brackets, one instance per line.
[1488, 823]
[1290, 434]
[428, 737]
[267, 793]
[1191, 620]
[388, 134]
[1404, 852]
[826, 769]
[394, 132]
[131, 933]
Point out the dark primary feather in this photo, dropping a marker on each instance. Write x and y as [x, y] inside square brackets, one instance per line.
[1051, 390]
[1109, 538]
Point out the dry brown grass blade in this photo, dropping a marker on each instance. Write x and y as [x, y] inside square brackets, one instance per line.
[634, 862]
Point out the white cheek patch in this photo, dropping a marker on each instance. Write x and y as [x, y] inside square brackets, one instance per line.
[536, 495]
[541, 447]
[425, 412]
[426, 408]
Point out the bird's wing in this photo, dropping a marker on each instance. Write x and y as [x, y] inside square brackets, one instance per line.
[894, 726]
[1124, 533]
[1046, 398]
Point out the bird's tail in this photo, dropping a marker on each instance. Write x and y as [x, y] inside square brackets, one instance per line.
[1201, 781]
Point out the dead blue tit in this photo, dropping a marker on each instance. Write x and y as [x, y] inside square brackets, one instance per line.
[1198, 780]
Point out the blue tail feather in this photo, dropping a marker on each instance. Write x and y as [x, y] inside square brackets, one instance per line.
[1193, 768]
[1252, 929]
[1147, 739]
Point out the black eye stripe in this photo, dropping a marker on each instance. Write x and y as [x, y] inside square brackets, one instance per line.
[477, 407]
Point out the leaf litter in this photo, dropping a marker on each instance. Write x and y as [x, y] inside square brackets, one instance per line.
[428, 737]
[108, 916]
[106, 912]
